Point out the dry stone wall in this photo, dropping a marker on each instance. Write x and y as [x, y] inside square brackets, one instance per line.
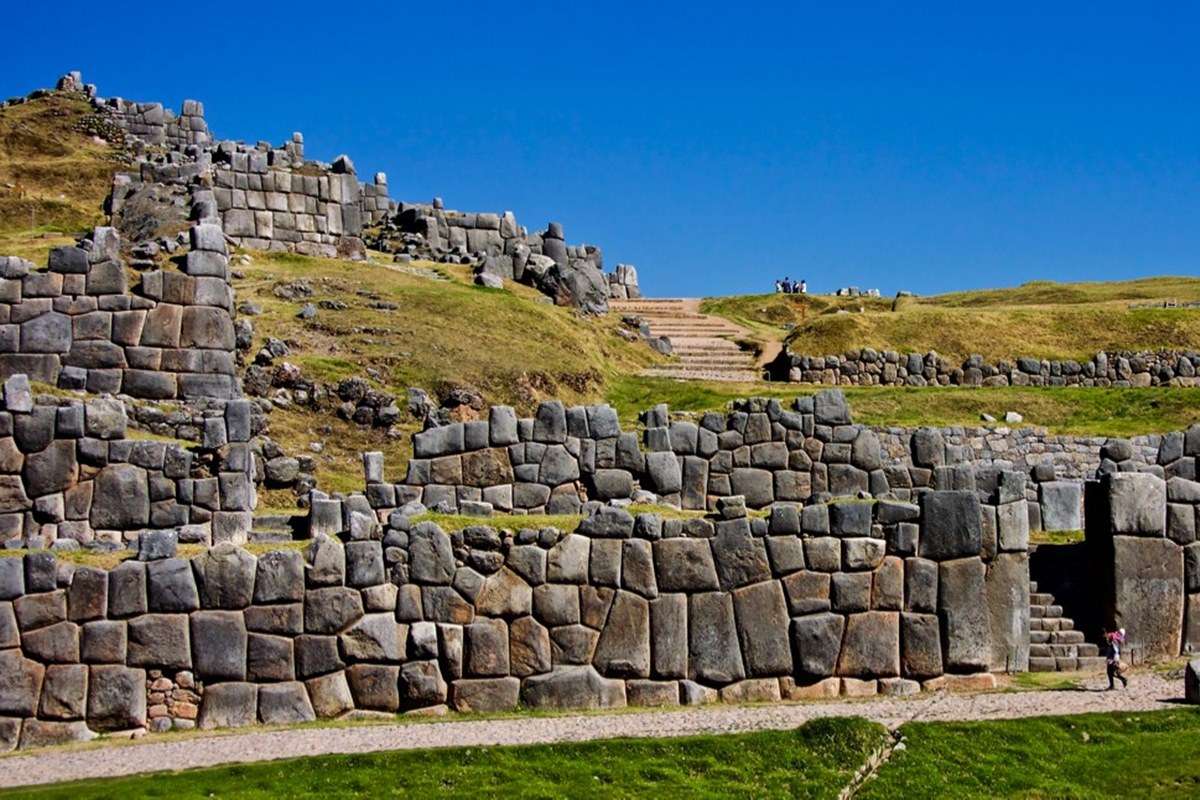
[79, 324]
[869, 367]
[1145, 557]
[850, 597]
[70, 477]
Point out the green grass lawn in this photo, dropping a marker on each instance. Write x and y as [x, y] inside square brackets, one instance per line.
[814, 761]
[1078, 411]
[1153, 754]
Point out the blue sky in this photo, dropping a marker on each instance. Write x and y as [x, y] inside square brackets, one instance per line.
[716, 147]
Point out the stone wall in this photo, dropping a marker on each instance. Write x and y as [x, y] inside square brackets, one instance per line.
[1141, 536]
[271, 198]
[869, 367]
[80, 325]
[70, 477]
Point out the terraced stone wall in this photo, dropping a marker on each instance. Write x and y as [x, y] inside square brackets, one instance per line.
[1145, 557]
[850, 597]
[870, 367]
[70, 477]
[79, 324]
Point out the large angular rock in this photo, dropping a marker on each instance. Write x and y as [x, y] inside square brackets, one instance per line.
[325, 559]
[160, 641]
[375, 637]
[816, 640]
[330, 694]
[567, 561]
[228, 705]
[225, 577]
[572, 687]
[485, 694]
[663, 473]
[121, 498]
[762, 624]
[1007, 585]
[963, 611]
[1062, 505]
[831, 408]
[20, 684]
[284, 704]
[504, 594]
[375, 687]
[421, 684]
[528, 647]
[684, 565]
[669, 636]
[171, 587]
[1137, 504]
[485, 649]
[116, 698]
[1148, 594]
[714, 655]
[279, 577]
[741, 558]
[756, 485]
[624, 646]
[871, 645]
[331, 610]
[950, 525]
[430, 557]
[921, 646]
[219, 645]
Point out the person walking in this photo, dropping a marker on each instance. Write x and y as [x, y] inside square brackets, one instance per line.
[778, 286]
[1112, 653]
[803, 286]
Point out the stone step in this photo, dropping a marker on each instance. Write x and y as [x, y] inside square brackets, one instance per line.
[1040, 598]
[1039, 637]
[1038, 664]
[1093, 663]
[1033, 587]
[1067, 637]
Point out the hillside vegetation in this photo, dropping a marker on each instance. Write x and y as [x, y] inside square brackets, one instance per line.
[53, 178]
[399, 327]
[1043, 319]
[1079, 411]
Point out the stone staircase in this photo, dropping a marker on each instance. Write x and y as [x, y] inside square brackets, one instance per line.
[703, 344]
[1054, 644]
[276, 528]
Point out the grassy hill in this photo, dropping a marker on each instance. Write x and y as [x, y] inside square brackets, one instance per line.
[400, 328]
[1042, 319]
[53, 178]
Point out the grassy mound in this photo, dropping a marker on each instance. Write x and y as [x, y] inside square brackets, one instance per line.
[399, 327]
[53, 179]
[1043, 319]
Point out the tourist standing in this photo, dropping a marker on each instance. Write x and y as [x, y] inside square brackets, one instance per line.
[1112, 653]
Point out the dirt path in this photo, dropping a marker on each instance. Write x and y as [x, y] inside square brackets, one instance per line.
[1145, 692]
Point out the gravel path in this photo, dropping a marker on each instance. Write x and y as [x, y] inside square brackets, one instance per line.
[1145, 692]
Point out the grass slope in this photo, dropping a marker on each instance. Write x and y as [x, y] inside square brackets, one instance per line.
[814, 761]
[1042, 319]
[510, 345]
[53, 179]
[1077, 411]
[1155, 754]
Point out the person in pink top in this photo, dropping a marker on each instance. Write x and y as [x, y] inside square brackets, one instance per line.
[1112, 653]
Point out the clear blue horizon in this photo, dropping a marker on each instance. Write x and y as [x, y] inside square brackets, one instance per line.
[716, 148]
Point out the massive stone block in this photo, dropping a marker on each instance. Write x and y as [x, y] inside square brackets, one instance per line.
[762, 624]
[963, 610]
[714, 655]
[1148, 594]
[871, 645]
[951, 525]
[573, 687]
[1137, 504]
[1007, 585]
[817, 640]
[684, 565]
[624, 646]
